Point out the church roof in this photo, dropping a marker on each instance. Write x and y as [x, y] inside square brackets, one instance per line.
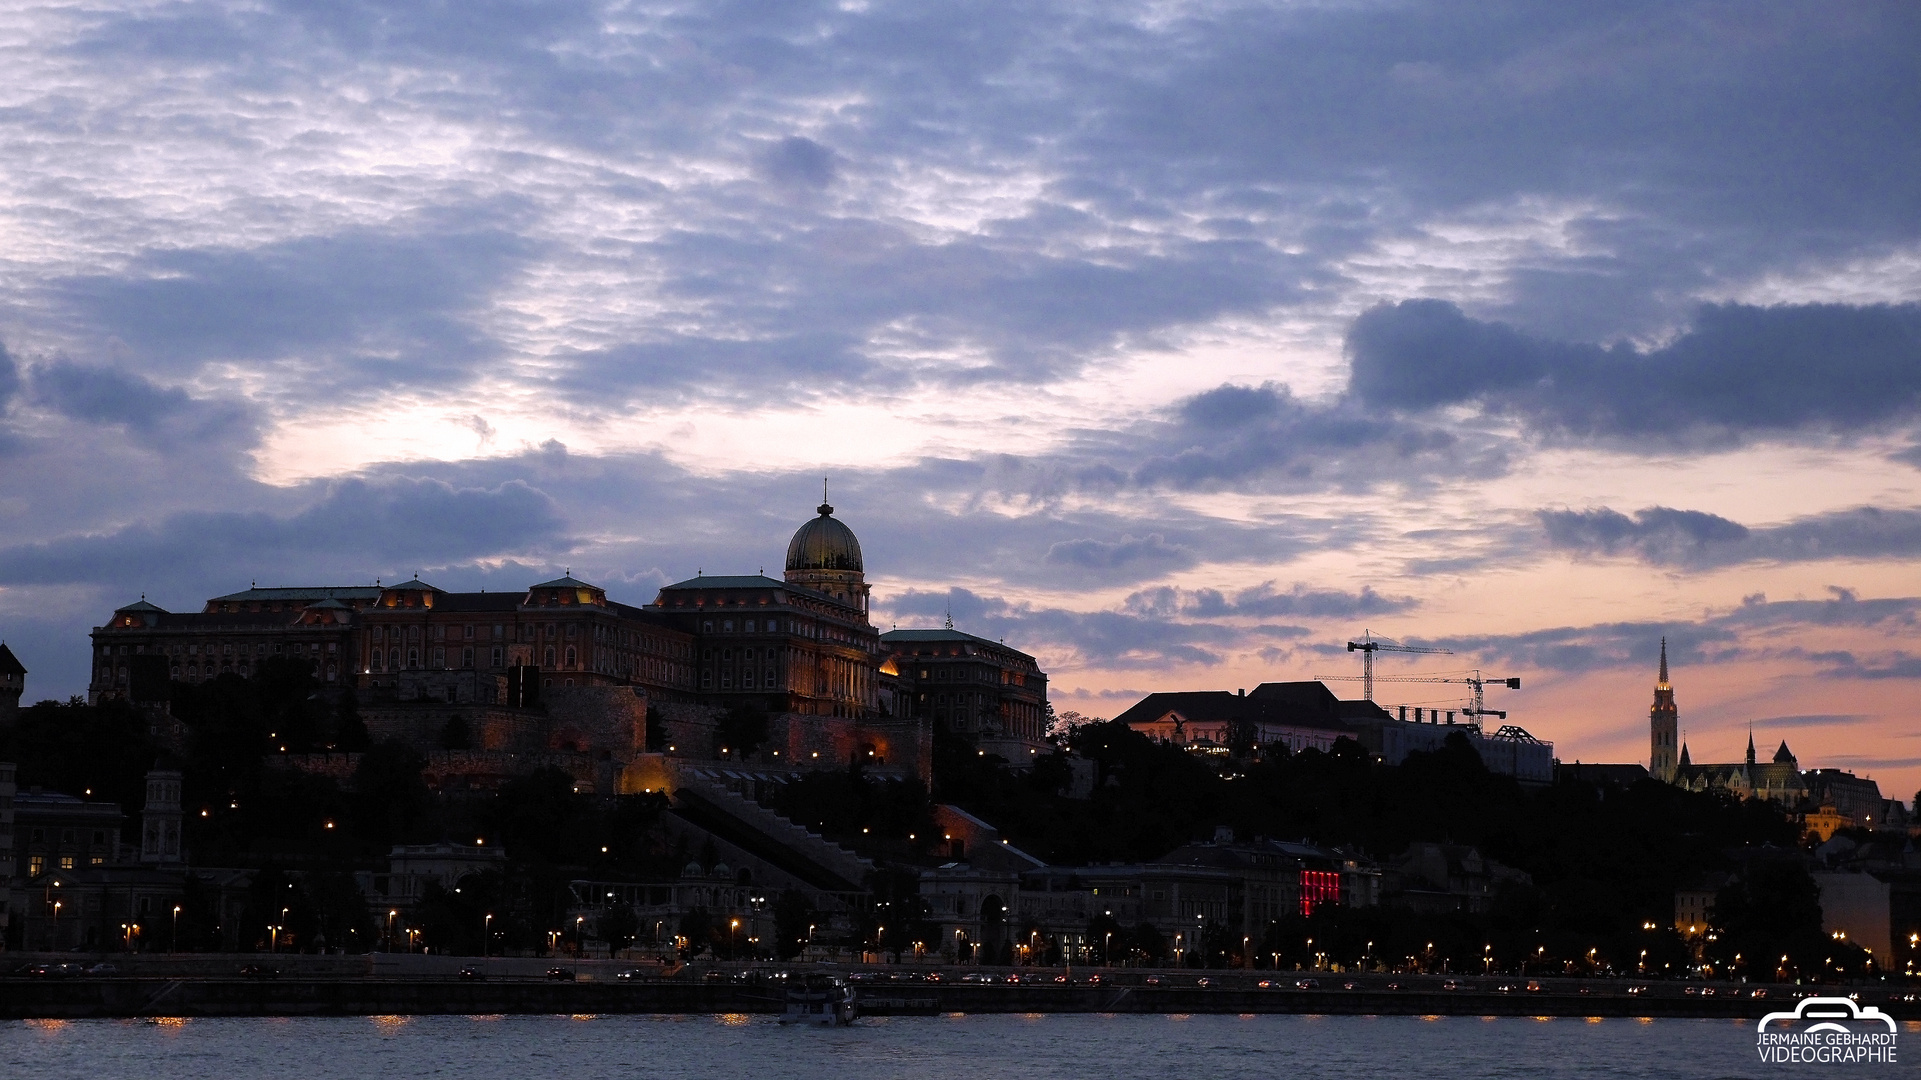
[9, 663]
[1275, 707]
[568, 581]
[415, 584]
[825, 543]
[140, 605]
[1783, 756]
[299, 595]
[729, 581]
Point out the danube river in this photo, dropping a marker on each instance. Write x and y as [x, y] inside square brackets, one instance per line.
[982, 1047]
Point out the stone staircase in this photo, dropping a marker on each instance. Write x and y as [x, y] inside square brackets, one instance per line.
[775, 828]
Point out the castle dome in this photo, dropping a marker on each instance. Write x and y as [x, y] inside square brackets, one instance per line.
[824, 543]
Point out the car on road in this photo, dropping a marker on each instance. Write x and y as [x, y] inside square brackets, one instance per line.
[630, 975]
[1454, 984]
[1393, 986]
[259, 971]
[1534, 986]
[1307, 984]
[1152, 980]
[560, 974]
[1266, 984]
[472, 974]
[1637, 989]
[53, 971]
[1203, 982]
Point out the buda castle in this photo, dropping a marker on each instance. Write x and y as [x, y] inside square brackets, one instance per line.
[561, 674]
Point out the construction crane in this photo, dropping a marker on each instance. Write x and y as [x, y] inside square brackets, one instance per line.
[1369, 645]
[1471, 679]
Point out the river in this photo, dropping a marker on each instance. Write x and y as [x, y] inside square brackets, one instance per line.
[955, 1047]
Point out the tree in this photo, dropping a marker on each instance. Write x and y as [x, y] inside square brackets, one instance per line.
[742, 729]
[618, 926]
[390, 794]
[455, 735]
[656, 729]
[793, 918]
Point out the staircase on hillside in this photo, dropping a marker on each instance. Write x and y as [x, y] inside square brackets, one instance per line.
[699, 794]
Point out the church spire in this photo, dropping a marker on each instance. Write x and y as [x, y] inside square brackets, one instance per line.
[1750, 743]
[1664, 662]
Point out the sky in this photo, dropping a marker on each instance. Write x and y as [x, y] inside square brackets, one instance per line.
[1174, 343]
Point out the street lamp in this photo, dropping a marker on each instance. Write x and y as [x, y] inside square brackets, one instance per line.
[391, 914]
[174, 945]
[733, 928]
[486, 934]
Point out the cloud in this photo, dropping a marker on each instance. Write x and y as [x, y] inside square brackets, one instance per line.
[162, 417]
[1152, 549]
[1692, 538]
[1756, 629]
[353, 531]
[351, 311]
[1812, 720]
[797, 162]
[1737, 370]
[1264, 600]
[9, 378]
[1261, 436]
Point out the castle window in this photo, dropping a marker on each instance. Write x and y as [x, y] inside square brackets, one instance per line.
[726, 626]
[413, 633]
[571, 660]
[747, 680]
[499, 630]
[413, 658]
[496, 656]
[550, 656]
[467, 657]
[573, 631]
[470, 631]
[440, 632]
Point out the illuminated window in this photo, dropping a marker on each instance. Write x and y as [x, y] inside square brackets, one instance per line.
[66, 862]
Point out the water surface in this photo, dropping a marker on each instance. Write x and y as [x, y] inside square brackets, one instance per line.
[984, 1047]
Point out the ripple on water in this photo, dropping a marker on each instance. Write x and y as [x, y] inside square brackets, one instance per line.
[974, 1047]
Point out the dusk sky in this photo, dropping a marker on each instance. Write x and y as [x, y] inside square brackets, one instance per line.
[1175, 343]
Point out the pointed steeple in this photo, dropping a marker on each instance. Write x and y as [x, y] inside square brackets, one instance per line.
[1664, 663]
[1750, 744]
[1684, 755]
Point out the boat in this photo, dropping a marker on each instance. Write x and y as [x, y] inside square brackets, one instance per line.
[819, 1001]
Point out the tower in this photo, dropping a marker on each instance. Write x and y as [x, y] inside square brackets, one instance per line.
[160, 818]
[1663, 726]
[13, 683]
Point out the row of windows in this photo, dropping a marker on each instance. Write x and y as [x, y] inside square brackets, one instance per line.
[244, 648]
[37, 864]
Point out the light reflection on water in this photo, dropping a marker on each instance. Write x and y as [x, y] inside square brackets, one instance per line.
[1030, 1047]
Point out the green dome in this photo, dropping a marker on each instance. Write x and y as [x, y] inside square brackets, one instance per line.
[824, 544]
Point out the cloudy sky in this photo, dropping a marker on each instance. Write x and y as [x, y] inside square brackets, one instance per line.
[1174, 342]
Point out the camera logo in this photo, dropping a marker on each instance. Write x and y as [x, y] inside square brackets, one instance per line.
[1828, 1031]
